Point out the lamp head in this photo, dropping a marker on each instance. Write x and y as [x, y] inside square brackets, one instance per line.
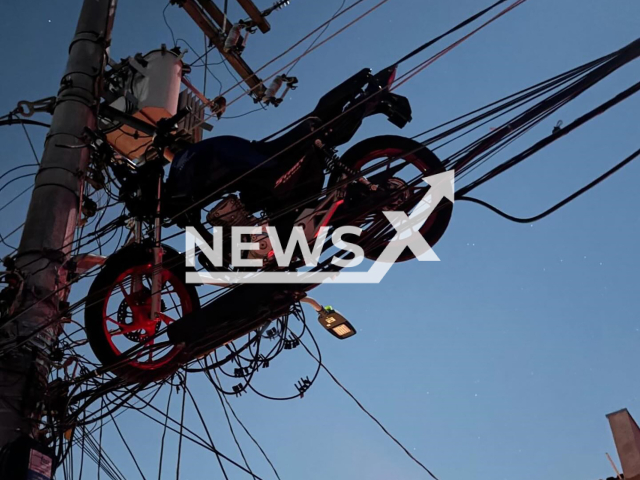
[335, 323]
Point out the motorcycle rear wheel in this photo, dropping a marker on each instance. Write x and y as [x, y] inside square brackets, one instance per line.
[365, 154]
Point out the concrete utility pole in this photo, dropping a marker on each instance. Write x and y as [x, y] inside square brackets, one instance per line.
[51, 222]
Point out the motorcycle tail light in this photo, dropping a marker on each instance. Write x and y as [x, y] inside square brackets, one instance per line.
[392, 78]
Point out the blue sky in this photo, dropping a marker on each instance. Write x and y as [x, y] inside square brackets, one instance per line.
[500, 361]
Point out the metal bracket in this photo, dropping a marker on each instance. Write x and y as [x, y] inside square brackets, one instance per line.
[44, 105]
[84, 262]
[316, 306]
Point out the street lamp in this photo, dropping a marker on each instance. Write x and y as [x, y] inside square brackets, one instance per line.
[332, 320]
[335, 323]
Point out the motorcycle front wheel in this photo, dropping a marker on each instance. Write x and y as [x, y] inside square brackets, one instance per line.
[406, 162]
[117, 315]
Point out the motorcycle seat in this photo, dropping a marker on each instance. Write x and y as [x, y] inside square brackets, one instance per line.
[289, 140]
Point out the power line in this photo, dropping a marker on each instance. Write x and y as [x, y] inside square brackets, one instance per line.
[35, 155]
[558, 205]
[204, 424]
[328, 23]
[231, 430]
[205, 65]
[369, 414]
[166, 22]
[551, 138]
[264, 454]
[15, 121]
[419, 68]
[133, 457]
[461, 25]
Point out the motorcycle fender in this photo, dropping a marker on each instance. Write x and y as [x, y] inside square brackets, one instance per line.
[397, 109]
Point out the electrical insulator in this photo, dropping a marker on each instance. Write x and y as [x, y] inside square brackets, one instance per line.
[276, 6]
[263, 361]
[274, 87]
[290, 343]
[233, 37]
[270, 95]
[241, 372]
[271, 333]
[303, 385]
[235, 41]
[238, 389]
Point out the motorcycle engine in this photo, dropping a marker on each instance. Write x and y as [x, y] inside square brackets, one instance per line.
[231, 212]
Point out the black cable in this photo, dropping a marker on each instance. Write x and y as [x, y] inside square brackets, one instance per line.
[195, 439]
[550, 139]
[206, 65]
[133, 457]
[22, 121]
[181, 434]
[337, 382]
[3, 239]
[19, 177]
[315, 40]
[27, 165]
[164, 16]
[224, 15]
[98, 455]
[206, 62]
[35, 155]
[264, 454]
[447, 33]
[492, 115]
[164, 434]
[82, 455]
[206, 53]
[224, 117]
[552, 82]
[231, 430]
[233, 75]
[100, 438]
[206, 430]
[538, 111]
[558, 205]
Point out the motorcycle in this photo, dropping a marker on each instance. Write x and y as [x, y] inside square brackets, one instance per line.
[141, 290]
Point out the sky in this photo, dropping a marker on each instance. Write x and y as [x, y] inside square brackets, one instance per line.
[499, 362]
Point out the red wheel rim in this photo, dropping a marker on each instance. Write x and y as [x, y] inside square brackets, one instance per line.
[126, 323]
[410, 158]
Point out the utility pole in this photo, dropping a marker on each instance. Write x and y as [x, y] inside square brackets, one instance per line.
[50, 225]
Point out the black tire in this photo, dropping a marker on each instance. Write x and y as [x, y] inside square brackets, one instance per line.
[438, 221]
[98, 298]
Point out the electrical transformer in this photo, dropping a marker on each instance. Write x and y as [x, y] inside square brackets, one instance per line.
[146, 87]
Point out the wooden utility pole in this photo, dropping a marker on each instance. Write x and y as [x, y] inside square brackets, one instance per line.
[50, 225]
